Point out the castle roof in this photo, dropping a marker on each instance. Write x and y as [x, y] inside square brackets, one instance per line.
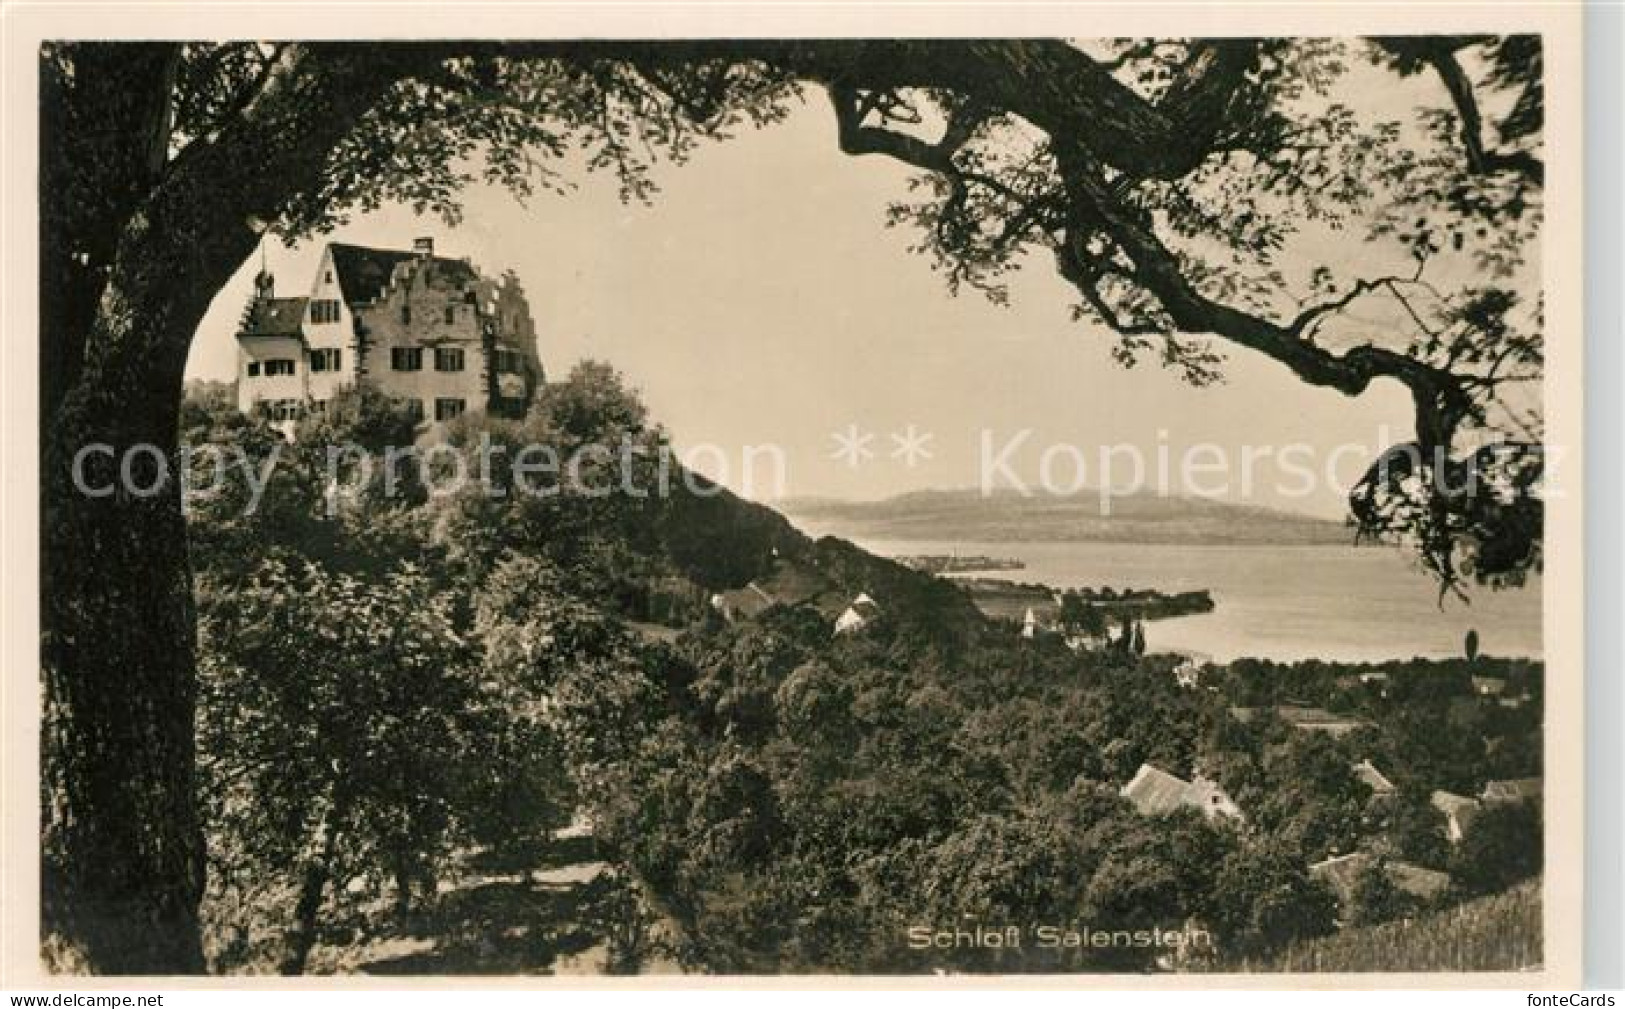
[364, 273]
[274, 317]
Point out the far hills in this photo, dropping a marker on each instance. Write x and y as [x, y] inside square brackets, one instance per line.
[1007, 516]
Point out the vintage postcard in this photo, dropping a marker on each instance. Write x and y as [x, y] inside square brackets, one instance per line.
[971, 495]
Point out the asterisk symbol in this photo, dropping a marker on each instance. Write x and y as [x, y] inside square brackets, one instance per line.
[853, 446]
[911, 446]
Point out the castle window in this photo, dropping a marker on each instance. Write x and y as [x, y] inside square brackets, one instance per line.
[323, 311]
[413, 408]
[253, 369]
[406, 314]
[280, 366]
[327, 359]
[451, 314]
[446, 409]
[507, 362]
[406, 358]
[448, 359]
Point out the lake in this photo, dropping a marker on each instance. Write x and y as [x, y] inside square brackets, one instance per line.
[1289, 602]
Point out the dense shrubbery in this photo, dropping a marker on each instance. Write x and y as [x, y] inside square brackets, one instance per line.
[415, 674]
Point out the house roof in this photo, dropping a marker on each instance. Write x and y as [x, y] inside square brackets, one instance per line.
[852, 619]
[1513, 790]
[1301, 716]
[1417, 881]
[1373, 778]
[274, 317]
[1340, 871]
[1155, 792]
[1489, 684]
[864, 607]
[364, 273]
[1451, 803]
[1343, 871]
[748, 601]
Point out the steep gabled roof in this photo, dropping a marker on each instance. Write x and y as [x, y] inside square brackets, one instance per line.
[1342, 872]
[363, 273]
[274, 317]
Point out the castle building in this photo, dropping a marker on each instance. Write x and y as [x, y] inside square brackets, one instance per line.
[430, 332]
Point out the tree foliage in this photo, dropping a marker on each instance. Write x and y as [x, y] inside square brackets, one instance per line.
[1172, 183]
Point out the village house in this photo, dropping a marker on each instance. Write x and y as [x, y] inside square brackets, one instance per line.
[787, 584]
[859, 614]
[1459, 813]
[1489, 686]
[1309, 719]
[1367, 773]
[1188, 674]
[1342, 873]
[1515, 791]
[743, 603]
[1030, 625]
[432, 333]
[1154, 792]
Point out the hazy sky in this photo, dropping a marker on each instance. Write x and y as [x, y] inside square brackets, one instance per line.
[761, 300]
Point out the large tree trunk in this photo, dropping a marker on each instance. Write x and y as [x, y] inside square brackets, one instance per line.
[121, 845]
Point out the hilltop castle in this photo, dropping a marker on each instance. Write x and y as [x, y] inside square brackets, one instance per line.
[427, 331]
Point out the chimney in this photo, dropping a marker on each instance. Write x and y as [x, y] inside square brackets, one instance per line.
[423, 247]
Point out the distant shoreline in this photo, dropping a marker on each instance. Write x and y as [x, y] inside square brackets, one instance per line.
[970, 517]
[1009, 600]
[953, 564]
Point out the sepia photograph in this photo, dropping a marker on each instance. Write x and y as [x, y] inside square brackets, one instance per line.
[1075, 504]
